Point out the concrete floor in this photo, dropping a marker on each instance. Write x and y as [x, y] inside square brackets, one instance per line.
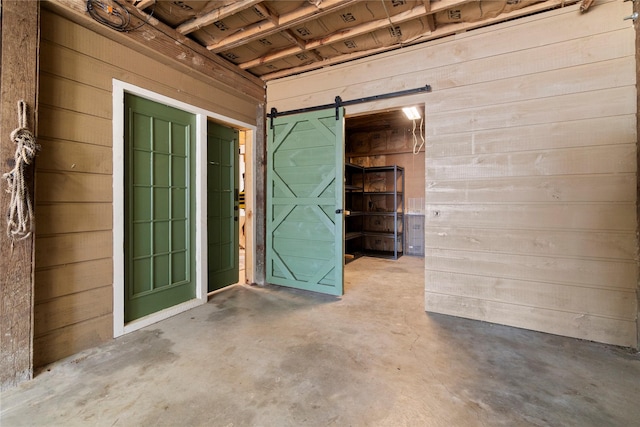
[280, 357]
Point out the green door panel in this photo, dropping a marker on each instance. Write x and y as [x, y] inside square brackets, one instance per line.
[222, 206]
[159, 207]
[305, 168]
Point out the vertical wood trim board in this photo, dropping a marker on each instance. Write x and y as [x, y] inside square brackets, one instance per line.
[19, 46]
[530, 166]
[636, 8]
[74, 241]
[260, 199]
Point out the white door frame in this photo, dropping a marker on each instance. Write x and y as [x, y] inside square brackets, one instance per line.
[119, 89]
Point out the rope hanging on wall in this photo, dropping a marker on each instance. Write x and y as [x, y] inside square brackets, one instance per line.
[20, 215]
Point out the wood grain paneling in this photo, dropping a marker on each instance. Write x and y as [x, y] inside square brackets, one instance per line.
[567, 188]
[72, 308]
[73, 96]
[69, 156]
[562, 243]
[554, 321]
[74, 187]
[546, 295]
[73, 247]
[473, 92]
[574, 161]
[62, 218]
[66, 279]
[531, 166]
[68, 125]
[595, 131]
[558, 216]
[606, 274]
[615, 101]
[71, 339]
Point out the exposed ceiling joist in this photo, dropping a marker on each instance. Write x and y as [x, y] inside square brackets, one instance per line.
[215, 15]
[263, 29]
[143, 4]
[267, 14]
[419, 11]
[430, 35]
[276, 38]
[365, 28]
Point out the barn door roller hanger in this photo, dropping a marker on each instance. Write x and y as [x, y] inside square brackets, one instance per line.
[340, 103]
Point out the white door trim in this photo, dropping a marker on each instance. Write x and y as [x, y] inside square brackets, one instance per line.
[119, 89]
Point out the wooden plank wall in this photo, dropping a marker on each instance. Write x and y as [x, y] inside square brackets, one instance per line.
[73, 279]
[531, 166]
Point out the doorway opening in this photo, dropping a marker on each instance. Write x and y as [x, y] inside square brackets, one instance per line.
[384, 186]
[239, 240]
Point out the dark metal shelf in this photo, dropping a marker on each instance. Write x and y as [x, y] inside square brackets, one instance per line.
[393, 198]
[384, 193]
[386, 234]
[383, 213]
[353, 235]
[383, 254]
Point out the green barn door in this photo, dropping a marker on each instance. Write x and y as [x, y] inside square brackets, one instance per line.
[159, 207]
[305, 200]
[222, 206]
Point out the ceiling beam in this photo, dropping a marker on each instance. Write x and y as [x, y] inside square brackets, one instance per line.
[288, 20]
[431, 22]
[267, 14]
[417, 12]
[443, 31]
[288, 34]
[142, 4]
[368, 27]
[215, 15]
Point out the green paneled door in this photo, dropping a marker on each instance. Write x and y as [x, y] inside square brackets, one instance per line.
[159, 207]
[222, 205]
[305, 170]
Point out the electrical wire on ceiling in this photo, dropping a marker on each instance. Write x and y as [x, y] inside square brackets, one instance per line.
[415, 138]
[114, 15]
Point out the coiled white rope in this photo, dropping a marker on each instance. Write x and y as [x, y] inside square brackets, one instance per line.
[20, 216]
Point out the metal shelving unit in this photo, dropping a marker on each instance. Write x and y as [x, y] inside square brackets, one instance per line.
[354, 211]
[374, 210]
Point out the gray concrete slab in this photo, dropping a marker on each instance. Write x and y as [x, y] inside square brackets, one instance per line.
[280, 357]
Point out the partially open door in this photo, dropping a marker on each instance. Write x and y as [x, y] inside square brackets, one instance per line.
[222, 206]
[305, 199]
